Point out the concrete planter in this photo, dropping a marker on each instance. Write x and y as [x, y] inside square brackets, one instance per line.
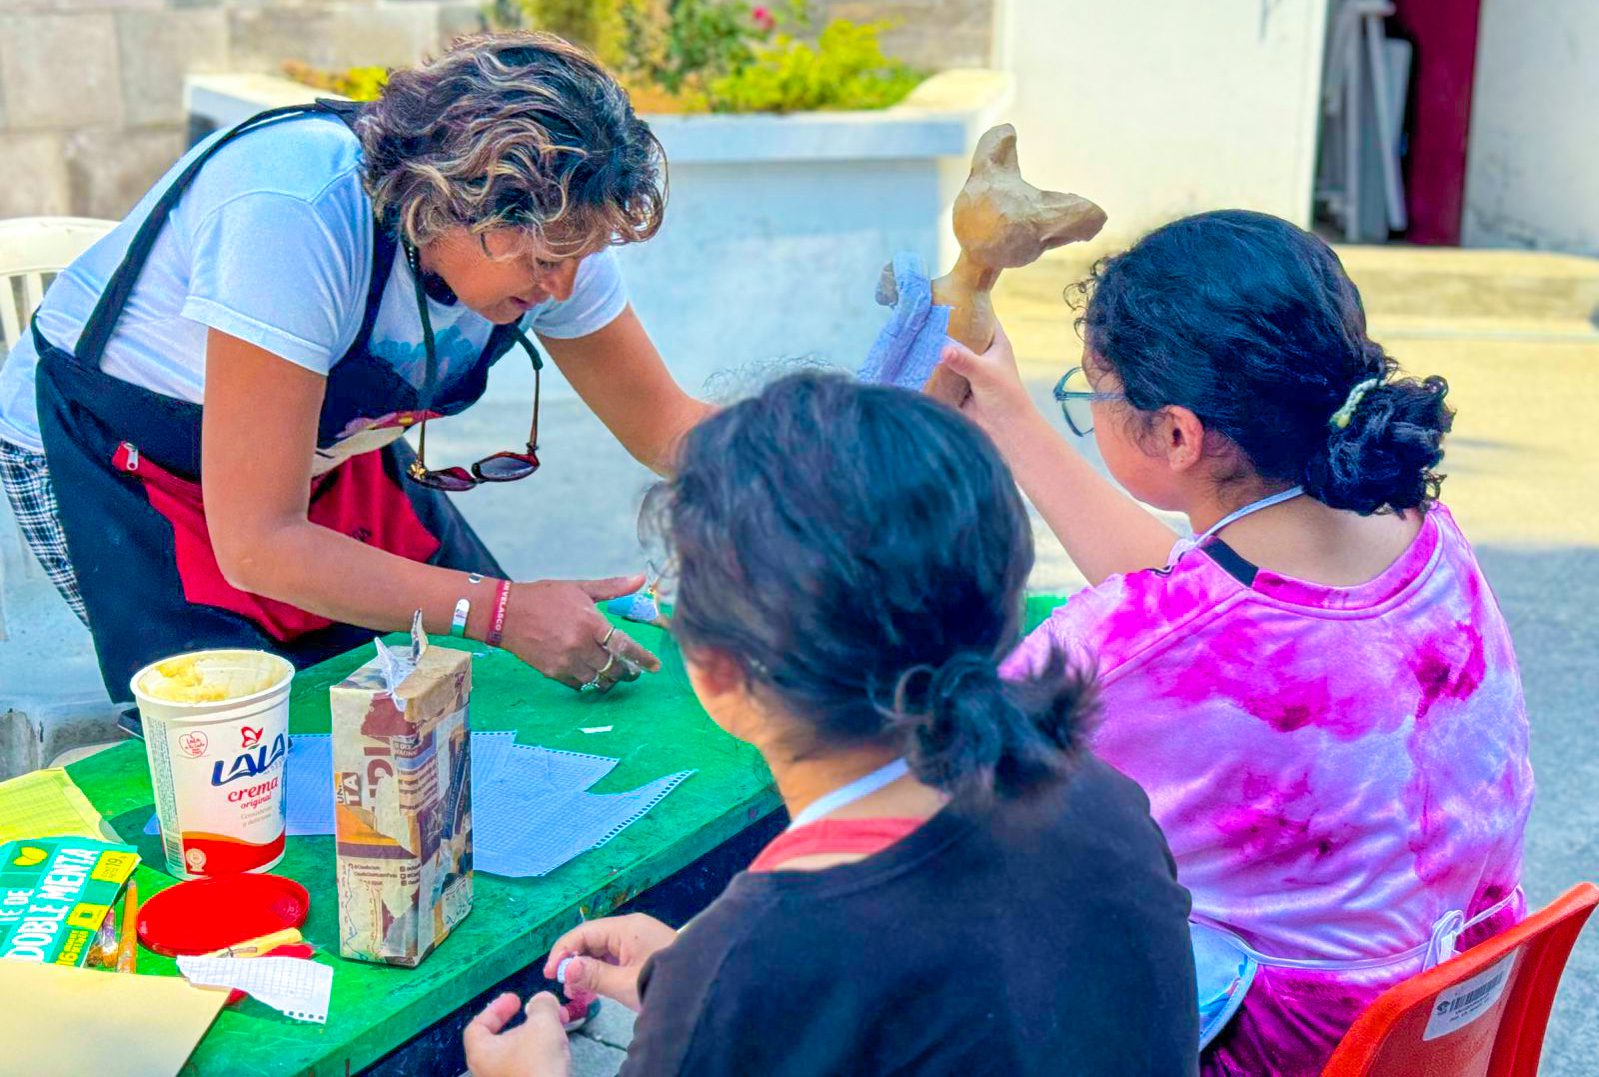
[777, 227]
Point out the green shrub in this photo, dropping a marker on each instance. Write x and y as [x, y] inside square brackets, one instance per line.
[845, 69]
[665, 51]
[706, 39]
[357, 83]
[597, 25]
[646, 38]
[699, 55]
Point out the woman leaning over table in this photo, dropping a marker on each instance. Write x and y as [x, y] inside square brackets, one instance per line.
[279, 309]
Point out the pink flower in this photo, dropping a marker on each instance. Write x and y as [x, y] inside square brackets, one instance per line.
[763, 18]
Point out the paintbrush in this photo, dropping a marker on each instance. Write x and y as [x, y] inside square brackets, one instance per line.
[259, 945]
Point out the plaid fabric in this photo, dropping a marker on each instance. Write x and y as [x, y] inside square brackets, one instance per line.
[27, 483]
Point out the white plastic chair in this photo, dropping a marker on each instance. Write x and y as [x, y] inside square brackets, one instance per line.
[51, 698]
[32, 251]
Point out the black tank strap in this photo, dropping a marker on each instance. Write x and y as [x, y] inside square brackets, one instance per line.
[346, 110]
[384, 244]
[102, 322]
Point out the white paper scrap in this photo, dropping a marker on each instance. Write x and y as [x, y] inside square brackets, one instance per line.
[291, 985]
[596, 728]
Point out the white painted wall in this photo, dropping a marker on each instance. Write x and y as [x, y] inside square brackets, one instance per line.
[1532, 171]
[1160, 108]
[778, 227]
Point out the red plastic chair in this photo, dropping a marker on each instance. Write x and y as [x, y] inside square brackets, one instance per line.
[1481, 1014]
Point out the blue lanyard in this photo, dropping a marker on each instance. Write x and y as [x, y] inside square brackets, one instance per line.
[1253, 507]
[861, 787]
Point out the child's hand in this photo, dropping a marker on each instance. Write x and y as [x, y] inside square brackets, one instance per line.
[608, 956]
[535, 1048]
[997, 389]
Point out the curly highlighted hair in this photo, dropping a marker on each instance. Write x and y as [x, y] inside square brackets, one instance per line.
[516, 130]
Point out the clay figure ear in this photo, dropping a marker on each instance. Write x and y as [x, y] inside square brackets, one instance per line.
[996, 150]
[1068, 218]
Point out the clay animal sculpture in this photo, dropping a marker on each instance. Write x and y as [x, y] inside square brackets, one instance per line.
[1001, 222]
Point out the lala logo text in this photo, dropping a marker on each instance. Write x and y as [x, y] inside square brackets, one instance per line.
[255, 759]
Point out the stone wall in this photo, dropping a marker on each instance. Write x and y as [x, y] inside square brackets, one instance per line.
[91, 91]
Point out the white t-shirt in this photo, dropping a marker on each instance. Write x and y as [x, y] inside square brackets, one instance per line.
[271, 243]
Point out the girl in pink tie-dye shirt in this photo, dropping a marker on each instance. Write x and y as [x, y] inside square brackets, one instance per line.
[1319, 692]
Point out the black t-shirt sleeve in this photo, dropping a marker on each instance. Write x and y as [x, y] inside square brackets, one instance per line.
[690, 1000]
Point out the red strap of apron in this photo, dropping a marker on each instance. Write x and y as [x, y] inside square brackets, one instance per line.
[832, 836]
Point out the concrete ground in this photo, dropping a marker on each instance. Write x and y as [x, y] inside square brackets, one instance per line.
[1513, 332]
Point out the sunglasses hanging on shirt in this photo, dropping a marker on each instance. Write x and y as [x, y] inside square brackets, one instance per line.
[507, 466]
[433, 286]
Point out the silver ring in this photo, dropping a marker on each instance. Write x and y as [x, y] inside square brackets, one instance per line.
[606, 640]
[592, 685]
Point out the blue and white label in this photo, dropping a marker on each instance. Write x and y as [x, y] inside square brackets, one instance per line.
[1466, 1001]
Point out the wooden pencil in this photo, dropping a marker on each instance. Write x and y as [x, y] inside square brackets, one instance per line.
[128, 951]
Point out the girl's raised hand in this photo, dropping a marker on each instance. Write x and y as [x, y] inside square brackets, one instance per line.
[608, 955]
[535, 1048]
[997, 390]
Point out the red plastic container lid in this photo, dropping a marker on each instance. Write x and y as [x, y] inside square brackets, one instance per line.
[202, 915]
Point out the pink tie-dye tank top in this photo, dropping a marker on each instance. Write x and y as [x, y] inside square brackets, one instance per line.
[1335, 768]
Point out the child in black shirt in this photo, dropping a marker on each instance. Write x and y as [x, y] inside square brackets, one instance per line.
[965, 889]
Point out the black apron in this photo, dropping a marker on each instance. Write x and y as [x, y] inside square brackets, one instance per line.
[125, 466]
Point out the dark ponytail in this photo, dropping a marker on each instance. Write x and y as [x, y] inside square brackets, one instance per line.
[862, 552]
[1383, 443]
[1252, 324]
[972, 731]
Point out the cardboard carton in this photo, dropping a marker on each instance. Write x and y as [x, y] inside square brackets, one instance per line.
[403, 804]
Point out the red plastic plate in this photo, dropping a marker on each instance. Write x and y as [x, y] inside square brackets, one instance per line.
[202, 915]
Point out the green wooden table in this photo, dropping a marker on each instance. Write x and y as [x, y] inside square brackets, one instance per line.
[659, 728]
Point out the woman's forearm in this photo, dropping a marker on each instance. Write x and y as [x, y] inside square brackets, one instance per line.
[321, 571]
[623, 380]
[261, 408]
[687, 413]
[1103, 530]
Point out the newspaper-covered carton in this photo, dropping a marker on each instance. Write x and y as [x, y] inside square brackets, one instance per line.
[402, 802]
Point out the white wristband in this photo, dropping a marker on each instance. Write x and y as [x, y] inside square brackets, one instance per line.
[458, 622]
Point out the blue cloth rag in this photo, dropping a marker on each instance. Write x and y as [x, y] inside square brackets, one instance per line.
[908, 347]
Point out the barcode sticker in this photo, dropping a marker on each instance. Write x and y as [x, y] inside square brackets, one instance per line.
[1466, 1001]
